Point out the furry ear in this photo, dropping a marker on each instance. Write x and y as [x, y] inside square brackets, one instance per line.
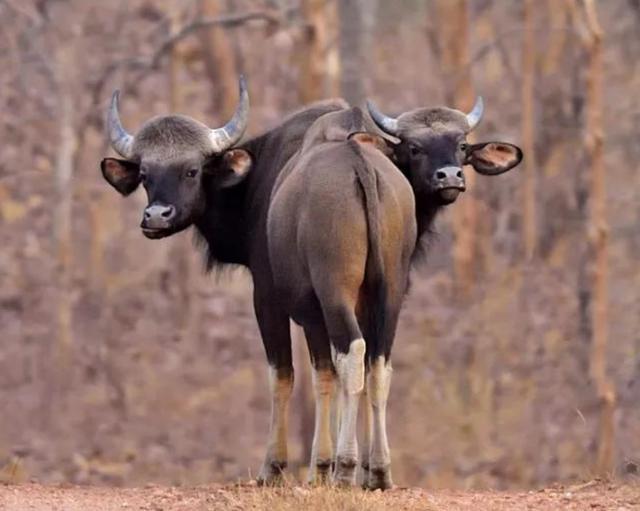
[237, 164]
[123, 175]
[375, 140]
[493, 158]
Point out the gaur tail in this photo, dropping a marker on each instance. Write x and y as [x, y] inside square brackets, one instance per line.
[374, 329]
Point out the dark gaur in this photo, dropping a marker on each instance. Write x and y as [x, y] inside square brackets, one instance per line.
[430, 153]
[341, 231]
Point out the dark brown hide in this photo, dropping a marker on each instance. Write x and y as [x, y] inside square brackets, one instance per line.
[341, 222]
[341, 232]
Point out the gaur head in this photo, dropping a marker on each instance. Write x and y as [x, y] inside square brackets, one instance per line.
[432, 149]
[172, 156]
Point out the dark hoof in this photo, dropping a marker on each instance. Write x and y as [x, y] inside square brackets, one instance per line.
[365, 475]
[345, 474]
[321, 473]
[272, 474]
[379, 479]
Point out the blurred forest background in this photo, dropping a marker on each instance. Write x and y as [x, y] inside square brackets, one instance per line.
[517, 359]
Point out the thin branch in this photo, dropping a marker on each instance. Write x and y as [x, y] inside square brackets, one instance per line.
[24, 10]
[592, 20]
[152, 62]
[498, 43]
[484, 50]
[230, 21]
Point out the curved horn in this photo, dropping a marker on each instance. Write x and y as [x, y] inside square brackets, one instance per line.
[120, 140]
[474, 117]
[384, 122]
[225, 137]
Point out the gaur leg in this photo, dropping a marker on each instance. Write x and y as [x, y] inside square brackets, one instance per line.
[324, 389]
[337, 262]
[379, 380]
[378, 383]
[335, 415]
[366, 445]
[274, 328]
[348, 352]
[336, 409]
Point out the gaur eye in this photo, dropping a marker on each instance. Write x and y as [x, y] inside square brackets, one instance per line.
[414, 149]
[143, 176]
[464, 146]
[192, 172]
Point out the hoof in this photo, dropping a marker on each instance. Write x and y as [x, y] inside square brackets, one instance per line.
[345, 473]
[365, 475]
[320, 473]
[272, 473]
[379, 479]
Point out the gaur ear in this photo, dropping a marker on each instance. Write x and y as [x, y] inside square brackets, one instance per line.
[237, 163]
[375, 140]
[493, 158]
[123, 175]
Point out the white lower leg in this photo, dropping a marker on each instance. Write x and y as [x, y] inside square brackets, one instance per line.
[379, 459]
[322, 450]
[350, 369]
[366, 446]
[276, 457]
[336, 413]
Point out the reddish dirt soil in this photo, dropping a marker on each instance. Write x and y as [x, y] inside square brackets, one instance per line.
[588, 496]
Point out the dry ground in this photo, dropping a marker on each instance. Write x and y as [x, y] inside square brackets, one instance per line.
[588, 496]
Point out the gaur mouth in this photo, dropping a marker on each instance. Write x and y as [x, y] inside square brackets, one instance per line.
[450, 193]
[155, 234]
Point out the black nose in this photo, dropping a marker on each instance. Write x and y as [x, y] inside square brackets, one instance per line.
[158, 216]
[449, 177]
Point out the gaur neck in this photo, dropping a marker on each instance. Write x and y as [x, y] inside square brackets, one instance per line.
[229, 222]
[223, 226]
[426, 210]
[234, 224]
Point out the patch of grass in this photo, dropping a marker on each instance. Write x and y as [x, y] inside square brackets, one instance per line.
[296, 498]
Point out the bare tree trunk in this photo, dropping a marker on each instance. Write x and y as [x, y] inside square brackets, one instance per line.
[333, 50]
[312, 58]
[95, 207]
[598, 238]
[557, 18]
[528, 130]
[453, 18]
[220, 63]
[65, 157]
[351, 51]
[580, 187]
[175, 93]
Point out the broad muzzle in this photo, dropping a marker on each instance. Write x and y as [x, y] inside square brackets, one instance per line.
[157, 217]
